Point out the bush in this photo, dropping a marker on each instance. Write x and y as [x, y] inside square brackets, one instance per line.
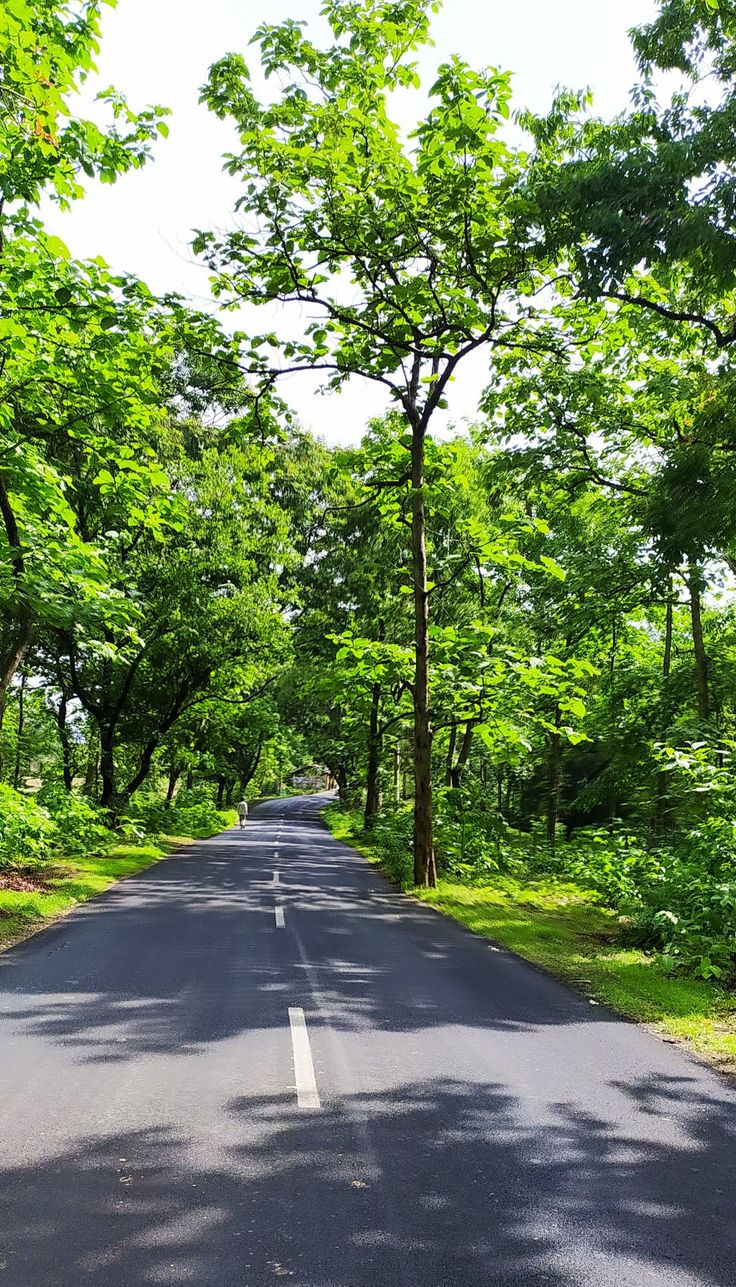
[617, 867]
[677, 899]
[188, 814]
[390, 838]
[473, 842]
[79, 826]
[26, 831]
[392, 835]
[58, 824]
[690, 915]
[693, 924]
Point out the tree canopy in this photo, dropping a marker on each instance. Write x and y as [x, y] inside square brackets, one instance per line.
[496, 639]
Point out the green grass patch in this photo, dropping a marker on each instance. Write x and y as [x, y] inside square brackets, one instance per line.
[563, 928]
[346, 824]
[65, 884]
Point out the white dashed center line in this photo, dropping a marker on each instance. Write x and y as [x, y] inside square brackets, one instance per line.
[276, 878]
[278, 912]
[306, 1084]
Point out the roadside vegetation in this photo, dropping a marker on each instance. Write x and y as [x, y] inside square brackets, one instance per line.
[513, 644]
[56, 851]
[570, 929]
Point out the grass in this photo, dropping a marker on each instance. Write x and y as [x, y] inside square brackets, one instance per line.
[73, 881]
[562, 928]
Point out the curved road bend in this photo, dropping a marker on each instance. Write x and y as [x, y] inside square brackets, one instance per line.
[255, 1062]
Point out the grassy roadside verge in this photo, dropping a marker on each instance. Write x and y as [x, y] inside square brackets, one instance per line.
[561, 927]
[24, 912]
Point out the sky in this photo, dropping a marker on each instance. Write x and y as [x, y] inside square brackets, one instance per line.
[158, 51]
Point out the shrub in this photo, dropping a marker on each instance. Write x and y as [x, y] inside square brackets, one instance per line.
[473, 841]
[690, 915]
[619, 867]
[78, 825]
[392, 837]
[189, 813]
[26, 831]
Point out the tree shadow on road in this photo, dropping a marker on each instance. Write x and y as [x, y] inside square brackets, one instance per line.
[498, 1130]
[440, 1184]
[153, 966]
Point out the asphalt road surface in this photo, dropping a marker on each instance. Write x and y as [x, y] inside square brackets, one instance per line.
[255, 1062]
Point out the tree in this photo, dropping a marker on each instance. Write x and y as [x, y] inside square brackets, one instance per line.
[408, 254]
[641, 206]
[353, 635]
[69, 333]
[47, 50]
[206, 625]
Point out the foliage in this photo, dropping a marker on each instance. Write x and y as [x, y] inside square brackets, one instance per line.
[55, 824]
[513, 646]
[25, 829]
[47, 50]
[79, 825]
[392, 835]
[411, 252]
[191, 814]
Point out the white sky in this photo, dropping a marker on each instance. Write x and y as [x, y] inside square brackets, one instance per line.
[158, 51]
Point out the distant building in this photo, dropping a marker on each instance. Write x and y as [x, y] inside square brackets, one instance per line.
[311, 777]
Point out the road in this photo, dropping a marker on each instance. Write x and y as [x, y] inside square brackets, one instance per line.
[256, 1062]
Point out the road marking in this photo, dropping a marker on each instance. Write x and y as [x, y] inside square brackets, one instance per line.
[306, 1084]
[279, 914]
[276, 878]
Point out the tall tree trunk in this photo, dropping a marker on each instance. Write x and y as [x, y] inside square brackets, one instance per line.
[555, 782]
[66, 749]
[456, 772]
[107, 765]
[174, 775]
[397, 773]
[19, 732]
[91, 774]
[424, 863]
[372, 785]
[660, 800]
[667, 655]
[136, 782]
[695, 586]
[17, 648]
[11, 660]
[450, 759]
[148, 752]
[341, 778]
[220, 792]
[249, 770]
[613, 779]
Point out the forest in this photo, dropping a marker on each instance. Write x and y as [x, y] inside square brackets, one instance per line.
[512, 643]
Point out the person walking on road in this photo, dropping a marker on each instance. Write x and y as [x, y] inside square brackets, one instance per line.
[242, 813]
